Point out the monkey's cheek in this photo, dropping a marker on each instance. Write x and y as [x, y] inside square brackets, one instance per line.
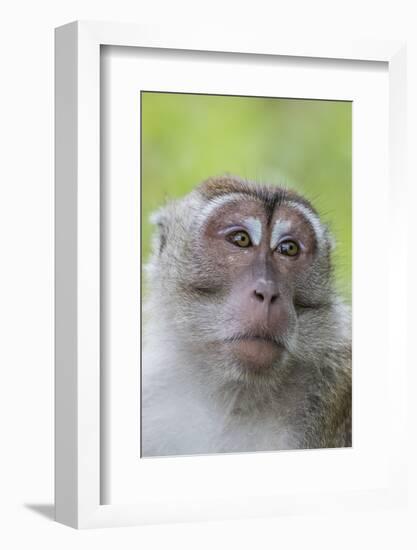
[257, 354]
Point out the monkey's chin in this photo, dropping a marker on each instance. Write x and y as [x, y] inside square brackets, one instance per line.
[257, 353]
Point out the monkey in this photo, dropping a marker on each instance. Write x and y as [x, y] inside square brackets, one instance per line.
[247, 344]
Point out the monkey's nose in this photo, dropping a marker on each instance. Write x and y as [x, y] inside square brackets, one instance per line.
[266, 293]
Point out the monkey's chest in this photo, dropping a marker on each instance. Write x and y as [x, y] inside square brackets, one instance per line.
[268, 429]
[200, 426]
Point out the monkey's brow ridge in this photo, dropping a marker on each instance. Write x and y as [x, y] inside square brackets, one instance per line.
[270, 195]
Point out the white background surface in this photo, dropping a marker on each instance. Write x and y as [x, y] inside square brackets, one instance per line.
[26, 274]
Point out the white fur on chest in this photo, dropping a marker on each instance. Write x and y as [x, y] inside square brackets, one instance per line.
[181, 415]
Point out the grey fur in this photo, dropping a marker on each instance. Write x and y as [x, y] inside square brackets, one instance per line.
[194, 400]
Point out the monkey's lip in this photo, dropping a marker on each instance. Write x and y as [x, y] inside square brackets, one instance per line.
[254, 338]
[256, 351]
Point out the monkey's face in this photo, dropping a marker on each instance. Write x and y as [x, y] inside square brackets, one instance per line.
[247, 270]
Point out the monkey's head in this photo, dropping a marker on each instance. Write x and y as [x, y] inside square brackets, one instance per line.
[237, 273]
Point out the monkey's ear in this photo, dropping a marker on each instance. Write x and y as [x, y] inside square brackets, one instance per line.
[160, 219]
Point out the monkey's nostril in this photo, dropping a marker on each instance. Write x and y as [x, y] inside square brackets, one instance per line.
[265, 296]
[259, 296]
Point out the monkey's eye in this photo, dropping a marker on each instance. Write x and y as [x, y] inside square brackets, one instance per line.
[288, 248]
[240, 238]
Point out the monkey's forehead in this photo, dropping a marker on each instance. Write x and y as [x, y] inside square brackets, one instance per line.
[270, 195]
[241, 210]
[232, 198]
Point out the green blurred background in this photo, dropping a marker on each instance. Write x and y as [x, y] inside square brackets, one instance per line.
[302, 144]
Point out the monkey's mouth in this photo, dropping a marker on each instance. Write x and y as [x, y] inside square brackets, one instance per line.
[253, 337]
[256, 351]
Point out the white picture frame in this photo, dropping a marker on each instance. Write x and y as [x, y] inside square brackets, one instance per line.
[78, 405]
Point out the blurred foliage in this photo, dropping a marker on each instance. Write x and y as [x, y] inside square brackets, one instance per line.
[302, 144]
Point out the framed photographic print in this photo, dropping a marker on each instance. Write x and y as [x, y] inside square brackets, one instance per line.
[240, 305]
[217, 274]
